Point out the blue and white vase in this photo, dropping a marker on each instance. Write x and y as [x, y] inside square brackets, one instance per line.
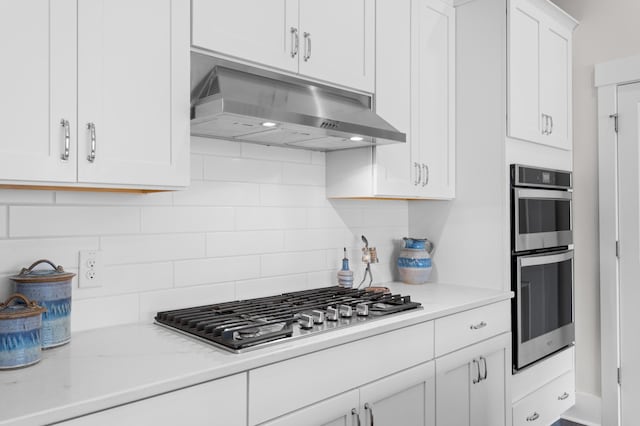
[414, 262]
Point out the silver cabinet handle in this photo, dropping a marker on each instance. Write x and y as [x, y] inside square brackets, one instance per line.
[545, 124]
[425, 178]
[307, 46]
[482, 324]
[367, 407]
[295, 42]
[484, 362]
[532, 418]
[67, 139]
[92, 132]
[355, 413]
[551, 125]
[416, 181]
[563, 396]
[478, 379]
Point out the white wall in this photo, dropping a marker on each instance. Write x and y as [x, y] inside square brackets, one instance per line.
[254, 222]
[607, 30]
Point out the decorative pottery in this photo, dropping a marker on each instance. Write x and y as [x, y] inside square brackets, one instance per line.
[414, 262]
[20, 339]
[52, 290]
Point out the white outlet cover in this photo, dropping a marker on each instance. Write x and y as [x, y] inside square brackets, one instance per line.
[90, 269]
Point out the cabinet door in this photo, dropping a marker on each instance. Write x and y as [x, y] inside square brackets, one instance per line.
[222, 402]
[524, 110]
[133, 88]
[395, 174]
[406, 398]
[433, 88]
[37, 83]
[262, 31]
[340, 410]
[555, 81]
[337, 41]
[470, 384]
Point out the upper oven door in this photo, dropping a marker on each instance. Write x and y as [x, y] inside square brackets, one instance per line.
[541, 219]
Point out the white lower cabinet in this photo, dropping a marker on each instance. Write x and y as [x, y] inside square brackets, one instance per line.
[545, 405]
[405, 398]
[472, 384]
[221, 402]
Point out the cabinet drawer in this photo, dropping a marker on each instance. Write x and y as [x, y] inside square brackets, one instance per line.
[545, 405]
[466, 328]
[292, 384]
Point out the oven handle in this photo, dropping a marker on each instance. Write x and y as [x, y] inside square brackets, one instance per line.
[543, 259]
[543, 194]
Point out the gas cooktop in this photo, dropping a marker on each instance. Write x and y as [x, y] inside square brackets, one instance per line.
[241, 325]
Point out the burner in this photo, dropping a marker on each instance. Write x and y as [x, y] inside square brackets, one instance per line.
[245, 324]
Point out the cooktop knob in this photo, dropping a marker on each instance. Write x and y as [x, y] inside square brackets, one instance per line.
[346, 311]
[332, 314]
[318, 316]
[362, 309]
[305, 321]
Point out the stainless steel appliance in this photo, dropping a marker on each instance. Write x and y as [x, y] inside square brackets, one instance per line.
[542, 263]
[238, 102]
[242, 325]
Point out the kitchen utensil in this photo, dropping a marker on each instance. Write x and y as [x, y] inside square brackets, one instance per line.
[52, 290]
[20, 339]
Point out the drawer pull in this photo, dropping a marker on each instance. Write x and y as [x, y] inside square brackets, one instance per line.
[563, 396]
[532, 418]
[484, 362]
[354, 412]
[478, 326]
[479, 378]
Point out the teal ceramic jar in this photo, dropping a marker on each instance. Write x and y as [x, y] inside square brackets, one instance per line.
[51, 289]
[20, 339]
[414, 261]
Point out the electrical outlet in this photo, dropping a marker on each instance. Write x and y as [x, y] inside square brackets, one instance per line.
[90, 269]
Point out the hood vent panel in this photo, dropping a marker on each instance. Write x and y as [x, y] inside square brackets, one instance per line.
[245, 104]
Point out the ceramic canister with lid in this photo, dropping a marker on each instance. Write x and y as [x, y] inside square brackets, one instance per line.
[20, 323]
[52, 290]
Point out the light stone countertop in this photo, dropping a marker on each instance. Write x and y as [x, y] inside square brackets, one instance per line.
[107, 367]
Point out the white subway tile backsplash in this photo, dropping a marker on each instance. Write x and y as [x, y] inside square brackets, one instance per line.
[218, 194]
[275, 153]
[208, 146]
[152, 302]
[186, 219]
[18, 254]
[293, 262]
[242, 170]
[253, 218]
[114, 198]
[269, 286]
[303, 174]
[254, 222]
[104, 311]
[45, 221]
[151, 248]
[315, 239]
[125, 279]
[293, 196]
[220, 244]
[15, 196]
[216, 270]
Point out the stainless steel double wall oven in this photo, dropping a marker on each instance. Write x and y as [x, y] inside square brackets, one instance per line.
[542, 263]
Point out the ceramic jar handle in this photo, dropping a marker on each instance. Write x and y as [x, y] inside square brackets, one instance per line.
[28, 270]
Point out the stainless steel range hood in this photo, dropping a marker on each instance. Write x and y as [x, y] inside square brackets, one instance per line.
[240, 103]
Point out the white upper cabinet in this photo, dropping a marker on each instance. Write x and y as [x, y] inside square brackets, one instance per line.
[539, 87]
[96, 94]
[415, 93]
[133, 93]
[262, 31]
[331, 40]
[38, 86]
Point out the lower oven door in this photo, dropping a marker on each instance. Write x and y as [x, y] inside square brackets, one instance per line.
[544, 305]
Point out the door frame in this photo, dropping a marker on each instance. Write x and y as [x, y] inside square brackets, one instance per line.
[608, 76]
